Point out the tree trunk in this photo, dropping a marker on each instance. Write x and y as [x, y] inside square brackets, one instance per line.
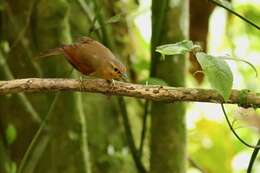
[106, 135]
[62, 146]
[168, 130]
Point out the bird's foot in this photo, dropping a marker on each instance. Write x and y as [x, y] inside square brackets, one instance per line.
[111, 87]
[111, 83]
[82, 86]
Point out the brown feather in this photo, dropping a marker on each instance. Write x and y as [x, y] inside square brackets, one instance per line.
[75, 58]
[88, 55]
[91, 58]
[50, 52]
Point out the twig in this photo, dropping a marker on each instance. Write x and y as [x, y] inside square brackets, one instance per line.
[195, 165]
[36, 136]
[150, 92]
[143, 132]
[85, 9]
[234, 132]
[36, 155]
[83, 138]
[27, 21]
[129, 136]
[235, 13]
[91, 19]
[24, 100]
[104, 28]
[253, 157]
[14, 22]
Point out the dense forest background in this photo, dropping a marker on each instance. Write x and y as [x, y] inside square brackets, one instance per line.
[83, 132]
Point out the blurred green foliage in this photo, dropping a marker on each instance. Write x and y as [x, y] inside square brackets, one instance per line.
[10, 134]
[52, 23]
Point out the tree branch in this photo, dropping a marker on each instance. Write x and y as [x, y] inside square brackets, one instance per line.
[150, 92]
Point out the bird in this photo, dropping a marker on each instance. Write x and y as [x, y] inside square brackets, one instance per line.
[91, 58]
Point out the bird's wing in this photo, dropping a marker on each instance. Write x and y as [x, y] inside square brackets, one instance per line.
[50, 52]
[87, 55]
[79, 61]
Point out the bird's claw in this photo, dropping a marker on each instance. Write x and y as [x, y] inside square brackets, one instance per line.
[82, 86]
[111, 83]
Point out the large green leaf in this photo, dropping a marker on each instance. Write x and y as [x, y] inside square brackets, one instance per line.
[218, 73]
[175, 49]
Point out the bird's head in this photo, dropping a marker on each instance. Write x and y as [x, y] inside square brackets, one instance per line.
[116, 70]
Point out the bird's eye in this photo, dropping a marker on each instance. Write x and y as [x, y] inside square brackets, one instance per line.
[115, 69]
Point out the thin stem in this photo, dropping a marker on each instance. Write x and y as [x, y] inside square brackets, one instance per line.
[28, 51]
[23, 98]
[91, 19]
[27, 22]
[234, 132]
[25, 46]
[129, 136]
[195, 165]
[144, 127]
[104, 30]
[235, 13]
[36, 136]
[84, 138]
[38, 132]
[85, 9]
[38, 151]
[253, 158]
[242, 60]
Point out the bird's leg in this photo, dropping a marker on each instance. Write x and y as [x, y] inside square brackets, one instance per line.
[81, 80]
[111, 87]
[111, 83]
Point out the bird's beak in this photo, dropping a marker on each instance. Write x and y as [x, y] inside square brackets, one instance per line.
[124, 77]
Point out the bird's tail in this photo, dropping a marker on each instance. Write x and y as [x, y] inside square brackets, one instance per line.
[50, 52]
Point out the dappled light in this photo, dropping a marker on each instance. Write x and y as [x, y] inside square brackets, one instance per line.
[129, 86]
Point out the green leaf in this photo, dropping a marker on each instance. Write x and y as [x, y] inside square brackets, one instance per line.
[218, 73]
[154, 81]
[10, 134]
[175, 49]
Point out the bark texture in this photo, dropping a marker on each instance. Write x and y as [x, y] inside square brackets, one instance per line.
[168, 130]
[32, 27]
[151, 92]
